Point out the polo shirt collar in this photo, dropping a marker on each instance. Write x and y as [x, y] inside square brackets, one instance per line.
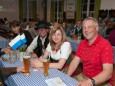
[95, 42]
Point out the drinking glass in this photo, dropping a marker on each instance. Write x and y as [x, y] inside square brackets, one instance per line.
[21, 55]
[12, 57]
[45, 66]
[26, 61]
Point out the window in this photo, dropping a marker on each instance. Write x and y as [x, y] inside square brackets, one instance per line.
[58, 10]
[87, 8]
[28, 9]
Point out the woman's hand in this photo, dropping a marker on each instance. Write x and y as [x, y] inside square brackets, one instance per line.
[36, 63]
[7, 50]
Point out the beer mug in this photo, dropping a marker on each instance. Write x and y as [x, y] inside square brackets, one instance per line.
[45, 66]
[26, 61]
[12, 57]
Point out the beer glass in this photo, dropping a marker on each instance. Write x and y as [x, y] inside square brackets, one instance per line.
[45, 66]
[26, 61]
[12, 57]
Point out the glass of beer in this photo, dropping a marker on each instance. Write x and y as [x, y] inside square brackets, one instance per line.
[45, 66]
[26, 61]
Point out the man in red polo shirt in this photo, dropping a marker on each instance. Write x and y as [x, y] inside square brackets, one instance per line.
[96, 55]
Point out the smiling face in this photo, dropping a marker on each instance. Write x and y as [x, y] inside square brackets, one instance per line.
[90, 31]
[42, 32]
[57, 37]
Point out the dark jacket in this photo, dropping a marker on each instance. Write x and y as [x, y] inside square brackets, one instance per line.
[79, 32]
[39, 47]
[1, 53]
[6, 72]
[76, 31]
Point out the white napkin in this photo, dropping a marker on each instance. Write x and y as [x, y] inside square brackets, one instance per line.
[55, 82]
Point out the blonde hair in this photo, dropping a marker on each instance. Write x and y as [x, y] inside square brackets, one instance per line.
[96, 24]
[64, 38]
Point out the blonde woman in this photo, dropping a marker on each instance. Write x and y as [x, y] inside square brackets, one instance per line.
[58, 50]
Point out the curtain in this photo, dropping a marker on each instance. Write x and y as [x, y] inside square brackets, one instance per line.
[62, 9]
[52, 11]
[97, 8]
[20, 9]
[78, 9]
[35, 9]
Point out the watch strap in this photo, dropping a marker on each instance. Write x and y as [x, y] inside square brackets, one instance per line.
[93, 81]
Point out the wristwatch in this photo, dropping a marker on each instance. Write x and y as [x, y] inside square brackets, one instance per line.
[93, 81]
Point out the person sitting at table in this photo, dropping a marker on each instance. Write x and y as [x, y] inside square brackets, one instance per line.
[4, 51]
[78, 29]
[59, 50]
[111, 36]
[31, 28]
[16, 29]
[66, 29]
[8, 71]
[56, 24]
[96, 55]
[41, 41]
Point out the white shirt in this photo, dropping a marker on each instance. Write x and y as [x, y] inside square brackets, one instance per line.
[33, 45]
[63, 52]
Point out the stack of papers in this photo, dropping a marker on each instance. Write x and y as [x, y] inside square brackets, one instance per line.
[55, 82]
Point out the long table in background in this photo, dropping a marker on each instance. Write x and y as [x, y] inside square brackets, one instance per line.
[35, 78]
[3, 42]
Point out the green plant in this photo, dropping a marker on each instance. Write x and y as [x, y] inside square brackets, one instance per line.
[22, 48]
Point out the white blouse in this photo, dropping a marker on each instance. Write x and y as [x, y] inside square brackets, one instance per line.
[64, 51]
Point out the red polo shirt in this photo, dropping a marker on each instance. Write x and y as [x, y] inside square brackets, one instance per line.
[94, 56]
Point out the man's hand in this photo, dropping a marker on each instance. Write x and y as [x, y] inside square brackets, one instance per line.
[20, 69]
[85, 83]
[36, 63]
[33, 55]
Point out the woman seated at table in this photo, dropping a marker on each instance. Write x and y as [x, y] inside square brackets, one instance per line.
[8, 71]
[16, 29]
[58, 50]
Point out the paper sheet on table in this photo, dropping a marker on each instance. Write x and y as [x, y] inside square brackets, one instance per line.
[55, 82]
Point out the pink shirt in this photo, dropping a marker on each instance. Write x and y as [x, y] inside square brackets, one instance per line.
[94, 56]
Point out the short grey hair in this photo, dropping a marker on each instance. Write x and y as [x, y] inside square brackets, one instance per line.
[96, 24]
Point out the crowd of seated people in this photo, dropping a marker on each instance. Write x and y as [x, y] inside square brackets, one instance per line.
[106, 30]
[44, 40]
